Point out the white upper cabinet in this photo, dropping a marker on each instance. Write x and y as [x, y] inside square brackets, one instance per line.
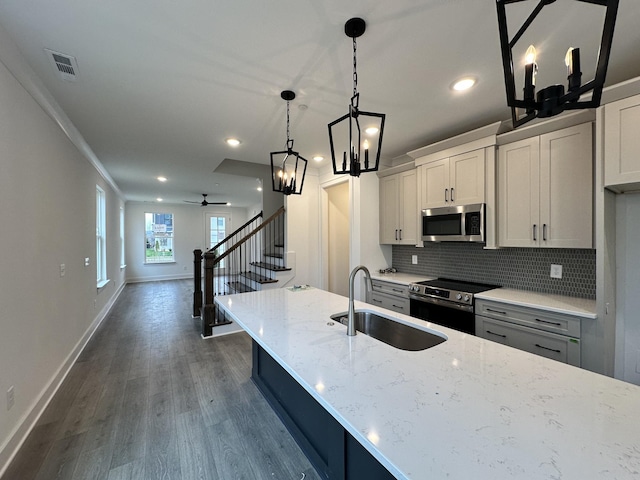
[545, 187]
[622, 144]
[456, 180]
[398, 208]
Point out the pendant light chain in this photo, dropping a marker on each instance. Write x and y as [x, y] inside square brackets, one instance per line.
[355, 73]
[287, 122]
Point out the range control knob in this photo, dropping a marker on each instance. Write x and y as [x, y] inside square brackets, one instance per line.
[467, 298]
[415, 288]
[458, 297]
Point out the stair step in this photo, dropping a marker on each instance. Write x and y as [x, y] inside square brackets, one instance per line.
[277, 245]
[270, 266]
[239, 287]
[274, 255]
[256, 277]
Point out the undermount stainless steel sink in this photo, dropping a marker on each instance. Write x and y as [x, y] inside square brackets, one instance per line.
[391, 332]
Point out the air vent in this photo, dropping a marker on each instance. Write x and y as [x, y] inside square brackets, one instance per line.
[65, 65]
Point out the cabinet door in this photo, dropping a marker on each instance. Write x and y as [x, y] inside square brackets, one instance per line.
[622, 142]
[389, 209]
[518, 193]
[435, 184]
[408, 208]
[566, 186]
[466, 178]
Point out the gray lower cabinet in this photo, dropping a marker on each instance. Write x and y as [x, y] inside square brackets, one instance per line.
[548, 334]
[389, 295]
[333, 451]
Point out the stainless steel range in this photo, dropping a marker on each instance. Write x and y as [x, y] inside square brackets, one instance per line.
[449, 303]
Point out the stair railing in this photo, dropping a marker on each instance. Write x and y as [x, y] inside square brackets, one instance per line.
[233, 237]
[237, 266]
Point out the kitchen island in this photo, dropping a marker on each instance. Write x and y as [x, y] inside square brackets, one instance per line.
[467, 408]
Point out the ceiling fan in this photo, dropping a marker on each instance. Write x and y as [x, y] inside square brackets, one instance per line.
[204, 202]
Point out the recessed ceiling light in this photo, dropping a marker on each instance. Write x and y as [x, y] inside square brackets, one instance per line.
[158, 199]
[318, 158]
[371, 130]
[228, 204]
[463, 84]
[162, 179]
[259, 189]
[234, 142]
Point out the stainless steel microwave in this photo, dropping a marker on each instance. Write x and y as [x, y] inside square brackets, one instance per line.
[464, 223]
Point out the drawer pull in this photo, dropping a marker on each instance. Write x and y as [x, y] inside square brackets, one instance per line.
[398, 306]
[496, 311]
[376, 300]
[496, 334]
[396, 290]
[548, 322]
[547, 348]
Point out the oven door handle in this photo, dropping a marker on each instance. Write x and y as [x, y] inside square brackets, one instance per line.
[441, 302]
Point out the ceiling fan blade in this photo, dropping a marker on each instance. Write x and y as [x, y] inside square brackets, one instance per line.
[189, 201]
[215, 203]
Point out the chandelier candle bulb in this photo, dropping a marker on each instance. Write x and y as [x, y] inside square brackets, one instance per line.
[572, 61]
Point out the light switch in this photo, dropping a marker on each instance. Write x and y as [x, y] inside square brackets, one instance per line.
[63, 269]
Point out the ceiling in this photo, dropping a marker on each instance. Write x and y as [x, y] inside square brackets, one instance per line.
[161, 84]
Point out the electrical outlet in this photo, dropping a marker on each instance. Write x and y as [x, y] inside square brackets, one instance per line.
[414, 259]
[11, 398]
[63, 269]
[556, 271]
[86, 261]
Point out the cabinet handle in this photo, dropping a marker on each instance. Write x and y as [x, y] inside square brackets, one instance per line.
[544, 232]
[446, 194]
[376, 300]
[400, 234]
[535, 232]
[452, 194]
[396, 234]
[547, 348]
[548, 322]
[496, 334]
[398, 306]
[496, 311]
[396, 290]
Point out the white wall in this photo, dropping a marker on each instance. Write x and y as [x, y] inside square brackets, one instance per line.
[338, 237]
[189, 226]
[627, 281]
[302, 232]
[47, 206]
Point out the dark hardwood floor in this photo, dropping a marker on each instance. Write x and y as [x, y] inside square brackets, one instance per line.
[149, 399]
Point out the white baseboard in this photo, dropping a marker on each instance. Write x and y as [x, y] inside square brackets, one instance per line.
[11, 447]
[224, 330]
[159, 278]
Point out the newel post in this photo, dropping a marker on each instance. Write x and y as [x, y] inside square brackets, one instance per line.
[197, 282]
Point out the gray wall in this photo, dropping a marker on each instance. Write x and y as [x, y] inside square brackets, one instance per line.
[521, 268]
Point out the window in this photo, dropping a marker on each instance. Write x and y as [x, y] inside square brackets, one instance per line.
[101, 238]
[159, 238]
[216, 231]
[122, 257]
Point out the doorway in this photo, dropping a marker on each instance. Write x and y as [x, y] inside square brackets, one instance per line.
[338, 238]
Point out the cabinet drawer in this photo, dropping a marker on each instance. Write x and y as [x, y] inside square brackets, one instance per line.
[390, 302]
[549, 345]
[390, 288]
[530, 317]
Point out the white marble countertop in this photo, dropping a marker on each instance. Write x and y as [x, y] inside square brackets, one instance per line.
[400, 278]
[581, 307]
[467, 408]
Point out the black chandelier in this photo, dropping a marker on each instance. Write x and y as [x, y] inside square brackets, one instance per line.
[553, 100]
[287, 166]
[356, 154]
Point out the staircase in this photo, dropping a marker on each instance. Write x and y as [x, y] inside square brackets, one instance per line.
[251, 258]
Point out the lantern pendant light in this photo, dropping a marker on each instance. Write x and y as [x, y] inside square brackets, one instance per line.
[288, 167]
[553, 100]
[356, 138]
